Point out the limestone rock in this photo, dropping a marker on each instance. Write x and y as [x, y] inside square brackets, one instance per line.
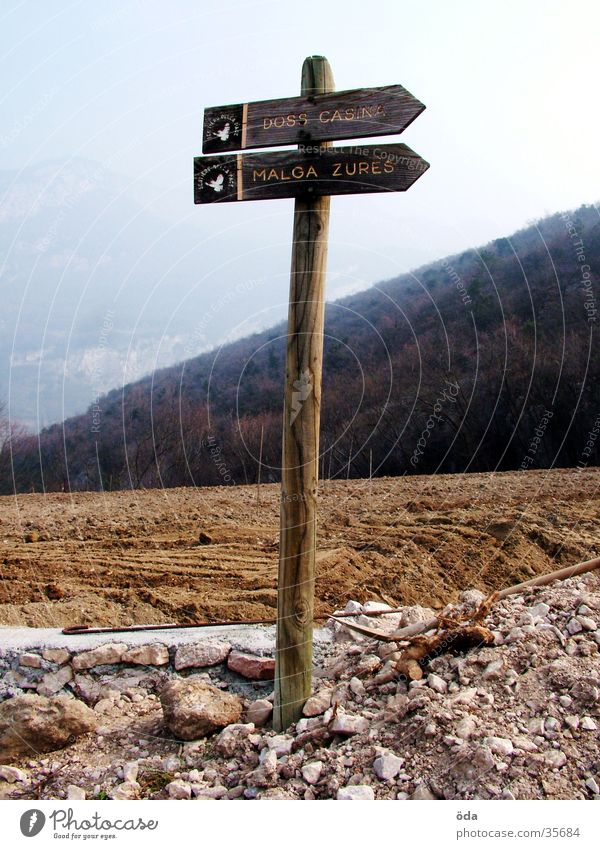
[12, 774]
[59, 656]
[499, 745]
[107, 653]
[53, 682]
[201, 654]
[347, 724]
[194, 709]
[259, 712]
[318, 703]
[252, 666]
[126, 791]
[74, 792]
[356, 792]
[179, 789]
[149, 655]
[30, 659]
[437, 683]
[230, 738]
[31, 724]
[387, 767]
[311, 772]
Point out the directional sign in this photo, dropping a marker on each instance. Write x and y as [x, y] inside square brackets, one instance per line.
[293, 173]
[358, 113]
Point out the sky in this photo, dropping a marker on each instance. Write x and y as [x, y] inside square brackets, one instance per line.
[510, 129]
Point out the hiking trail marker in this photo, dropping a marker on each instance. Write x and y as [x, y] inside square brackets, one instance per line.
[311, 175]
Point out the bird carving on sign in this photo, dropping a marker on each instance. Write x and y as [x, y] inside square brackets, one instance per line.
[217, 183]
[224, 133]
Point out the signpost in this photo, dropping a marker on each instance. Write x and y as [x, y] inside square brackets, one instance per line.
[291, 173]
[311, 175]
[359, 113]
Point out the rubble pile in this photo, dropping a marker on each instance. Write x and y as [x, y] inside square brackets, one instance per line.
[516, 719]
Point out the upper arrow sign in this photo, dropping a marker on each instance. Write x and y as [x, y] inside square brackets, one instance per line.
[358, 113]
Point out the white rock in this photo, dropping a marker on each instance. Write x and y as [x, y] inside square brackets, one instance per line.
[586, 623]
[107, 653]
[353, 607]
[356, 792]
[375, 607]
[347, 724]
[387, 767]
[30, 659]
[259, 712]
[494, 670]
[436, 683]
[179, 789]
[466, 727]
[280, 744]
[209, 653]
[588, 724]
[130, 771]
[541, 609]
[357, 686]
[574, 626]
[536, 726]
[318, 703]
[572, 721]
[74, 792]
[466, 696]
[59, 656]
[53, 682]
[268, 759]
[499, 745]
[555, 758]
[311, 772]
[12, 774]
[153, 654]
[126, 790]
[592, 785]
[565, 701]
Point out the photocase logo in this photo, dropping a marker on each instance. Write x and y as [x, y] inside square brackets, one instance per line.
[303, 387]
[32, 822]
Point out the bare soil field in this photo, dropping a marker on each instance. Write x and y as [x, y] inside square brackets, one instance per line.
[135, 557]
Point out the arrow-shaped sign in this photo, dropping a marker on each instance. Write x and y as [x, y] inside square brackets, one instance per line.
[308, 173]
[357, 113]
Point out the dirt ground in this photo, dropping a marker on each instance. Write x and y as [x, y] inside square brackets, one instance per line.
[134, 557]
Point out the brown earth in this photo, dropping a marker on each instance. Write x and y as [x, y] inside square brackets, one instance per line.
[134, 557]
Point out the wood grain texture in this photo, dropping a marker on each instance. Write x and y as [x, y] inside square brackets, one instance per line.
[319, 171]
[301, 421]
[356, 113]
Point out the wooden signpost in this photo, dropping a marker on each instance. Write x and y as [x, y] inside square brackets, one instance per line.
[291, 173]
[311, 175]
[326, 116]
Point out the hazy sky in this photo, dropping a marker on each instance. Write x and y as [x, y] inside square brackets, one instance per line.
[510, 129]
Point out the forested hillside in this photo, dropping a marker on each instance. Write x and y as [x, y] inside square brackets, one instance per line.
[485, 360]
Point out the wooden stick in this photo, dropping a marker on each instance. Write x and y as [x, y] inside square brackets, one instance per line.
[300, 454]
[559, 575]
[428, 624]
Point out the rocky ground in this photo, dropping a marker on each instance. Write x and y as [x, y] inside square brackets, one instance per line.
[516, 719]
[188, 555]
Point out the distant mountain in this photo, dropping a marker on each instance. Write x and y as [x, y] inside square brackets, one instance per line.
[90, 281]
[483, 360]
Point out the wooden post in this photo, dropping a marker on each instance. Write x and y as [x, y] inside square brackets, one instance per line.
[300, 453]
[262, 433]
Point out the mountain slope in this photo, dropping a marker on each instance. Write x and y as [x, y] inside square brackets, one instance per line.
[483, 360]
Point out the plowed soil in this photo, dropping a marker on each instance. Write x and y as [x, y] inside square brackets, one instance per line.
[134, 557]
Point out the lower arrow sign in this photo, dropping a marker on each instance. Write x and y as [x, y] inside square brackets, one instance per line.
[307, 172]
